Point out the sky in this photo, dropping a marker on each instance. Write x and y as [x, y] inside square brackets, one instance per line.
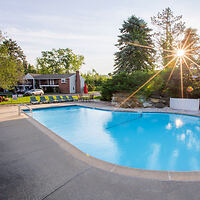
[88, 27]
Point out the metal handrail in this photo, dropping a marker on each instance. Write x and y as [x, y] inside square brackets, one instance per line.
[23, 104]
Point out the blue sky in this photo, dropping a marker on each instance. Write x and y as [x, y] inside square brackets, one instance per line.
[88, 27]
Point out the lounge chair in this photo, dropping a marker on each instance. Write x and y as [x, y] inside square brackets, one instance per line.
[59, 99]
[52, 100]
[71, 98]
[65, 99]
[43, 100]
[33, 100]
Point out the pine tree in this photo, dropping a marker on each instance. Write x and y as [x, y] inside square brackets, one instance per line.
[131, 58]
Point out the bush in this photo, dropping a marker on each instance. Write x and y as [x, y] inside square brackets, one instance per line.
[124, 82]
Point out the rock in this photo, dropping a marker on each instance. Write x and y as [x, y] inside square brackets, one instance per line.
[154, 100]
[146, 104]
[130, 103]
[159, 105]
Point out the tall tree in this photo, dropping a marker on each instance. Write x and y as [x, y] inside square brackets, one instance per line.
[170, 27]
[15, 51]
[11, 70]
[59, 61]
[191, 41]
[130, 58]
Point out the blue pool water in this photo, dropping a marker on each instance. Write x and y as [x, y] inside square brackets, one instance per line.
[156, 141]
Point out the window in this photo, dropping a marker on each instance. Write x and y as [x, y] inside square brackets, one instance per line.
[51, 82]
[63, 80]
[56, 82]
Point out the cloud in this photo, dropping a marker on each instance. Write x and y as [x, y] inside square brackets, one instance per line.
[47, 34]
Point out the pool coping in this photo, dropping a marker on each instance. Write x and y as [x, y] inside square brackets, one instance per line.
[110, 167]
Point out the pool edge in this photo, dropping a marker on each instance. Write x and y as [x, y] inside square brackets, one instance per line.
[113, 168]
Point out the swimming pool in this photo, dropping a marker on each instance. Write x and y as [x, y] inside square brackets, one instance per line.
[154, 141]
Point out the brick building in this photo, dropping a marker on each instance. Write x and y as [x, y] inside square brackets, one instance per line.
[63, 83]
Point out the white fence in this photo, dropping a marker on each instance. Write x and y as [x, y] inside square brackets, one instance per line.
[184, 104]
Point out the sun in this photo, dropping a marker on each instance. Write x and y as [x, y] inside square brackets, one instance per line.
[180, 52]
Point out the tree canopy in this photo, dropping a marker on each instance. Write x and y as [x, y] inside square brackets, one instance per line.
[169, 28]
[59, 61]
[15, 51]
[11, 70]
[94, 80]
[192, 41]
[11, 67]
[130, 58]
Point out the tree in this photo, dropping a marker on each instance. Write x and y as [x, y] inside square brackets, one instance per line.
[191, 41]
[59, 61]
[170, 27]
[11, 70]
[75, 62]
[124, 82]
[15, 51]
[130, 58]
[94, 80]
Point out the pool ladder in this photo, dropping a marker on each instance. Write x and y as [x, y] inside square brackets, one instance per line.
[140, 112]
[23, 104]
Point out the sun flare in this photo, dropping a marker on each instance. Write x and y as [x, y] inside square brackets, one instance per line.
[179, 55]
[180, 52]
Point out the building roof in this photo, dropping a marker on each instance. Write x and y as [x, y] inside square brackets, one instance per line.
[51, 76]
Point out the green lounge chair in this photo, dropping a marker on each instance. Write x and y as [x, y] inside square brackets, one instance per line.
[43, 100]
[59, 99]
[52, 100]
[65, 99]
[33, 100]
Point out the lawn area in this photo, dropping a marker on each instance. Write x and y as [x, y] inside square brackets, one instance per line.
[27, 99]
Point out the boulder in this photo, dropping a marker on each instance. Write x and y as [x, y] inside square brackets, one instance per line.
[130, 103]
[153, 100]
[159, 105]
[147, 105]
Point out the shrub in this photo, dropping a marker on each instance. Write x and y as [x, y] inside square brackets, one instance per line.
[160, 85]
[124, 82]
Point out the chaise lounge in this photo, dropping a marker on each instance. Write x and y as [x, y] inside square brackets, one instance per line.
[43, 100]
[52, 100]
[65, 99]
[33, 100]
[58, 98]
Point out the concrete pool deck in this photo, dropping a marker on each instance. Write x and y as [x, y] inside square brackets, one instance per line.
[35, 164]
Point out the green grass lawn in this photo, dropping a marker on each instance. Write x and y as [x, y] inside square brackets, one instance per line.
[27, 99]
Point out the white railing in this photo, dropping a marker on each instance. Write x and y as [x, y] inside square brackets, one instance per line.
[49, 85]
[23, 104]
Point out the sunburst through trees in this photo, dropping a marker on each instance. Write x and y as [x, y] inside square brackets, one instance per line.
[180, 56]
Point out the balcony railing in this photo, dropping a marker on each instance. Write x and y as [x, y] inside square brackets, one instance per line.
[49, 85]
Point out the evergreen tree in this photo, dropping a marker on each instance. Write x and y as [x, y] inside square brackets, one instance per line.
[130, 58]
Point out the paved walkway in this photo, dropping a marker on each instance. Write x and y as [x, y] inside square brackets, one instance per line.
[33, 166]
